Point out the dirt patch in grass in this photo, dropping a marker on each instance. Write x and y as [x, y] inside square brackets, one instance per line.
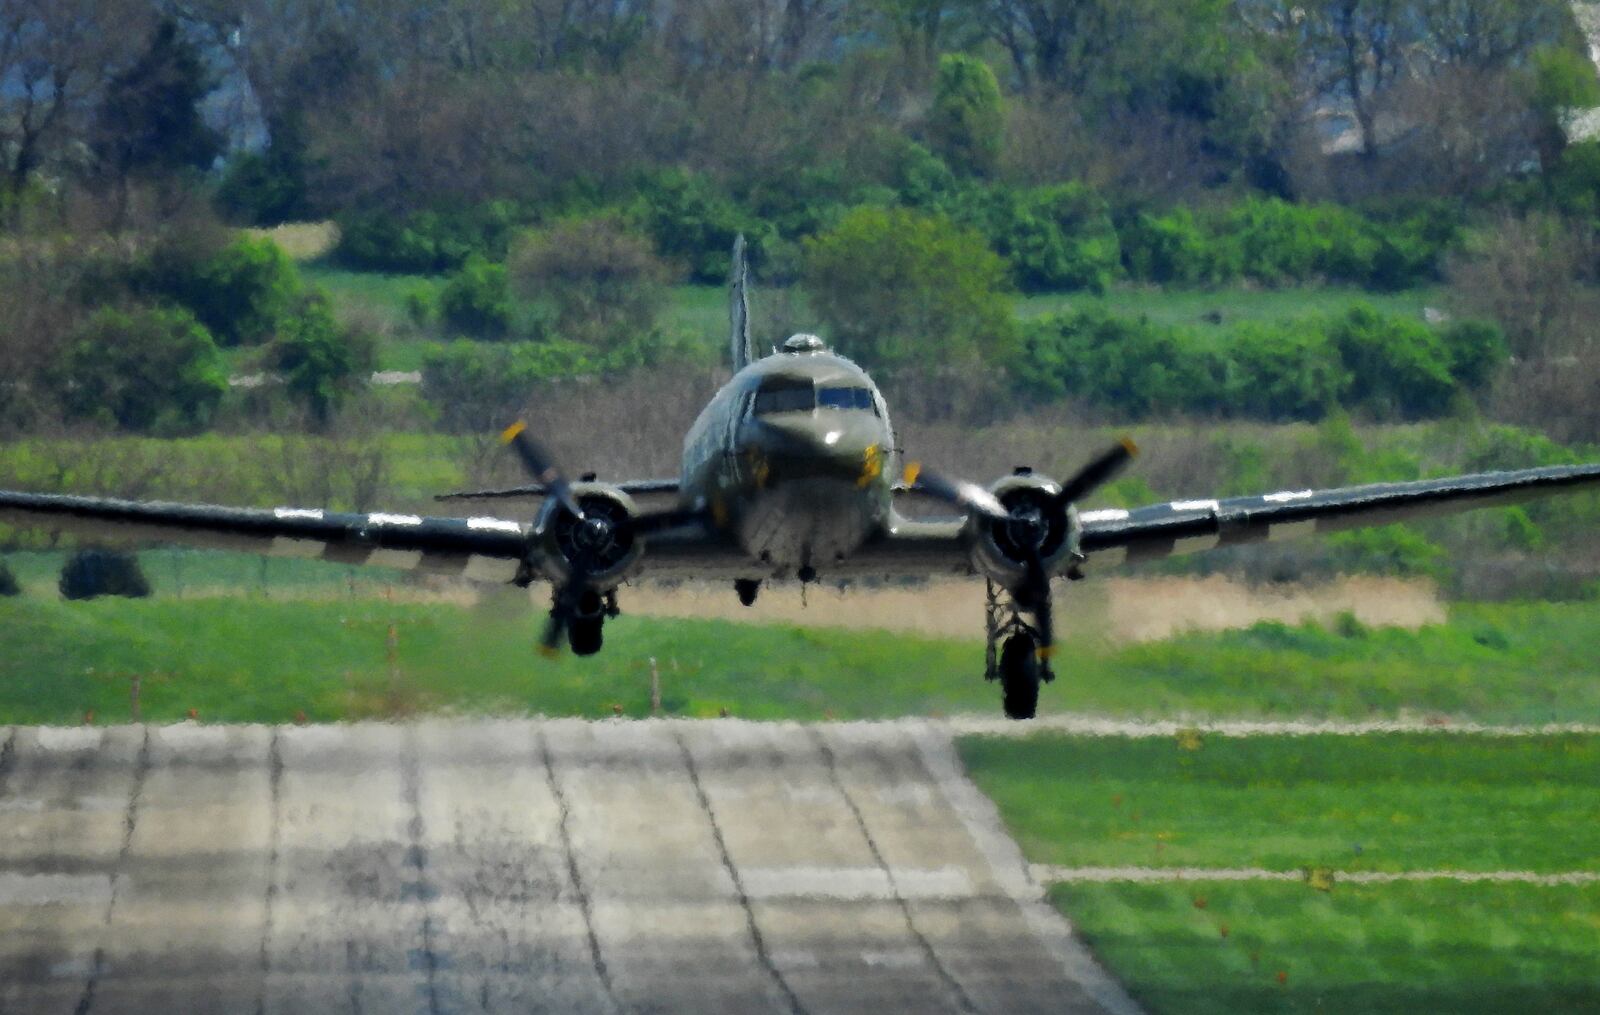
[302, 241]
[1118, 610]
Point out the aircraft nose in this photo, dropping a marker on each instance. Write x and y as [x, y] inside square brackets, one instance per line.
[817, 444]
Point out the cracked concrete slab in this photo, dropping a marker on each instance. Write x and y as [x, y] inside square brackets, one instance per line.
[518, 866]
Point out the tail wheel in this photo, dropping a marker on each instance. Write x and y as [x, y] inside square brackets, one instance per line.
[1019, 676]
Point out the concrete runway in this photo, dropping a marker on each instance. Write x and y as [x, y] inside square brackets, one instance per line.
[517, 866]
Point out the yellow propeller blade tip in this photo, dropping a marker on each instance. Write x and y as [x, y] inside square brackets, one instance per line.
[912, 472]
[1129, 446]
[512, 431]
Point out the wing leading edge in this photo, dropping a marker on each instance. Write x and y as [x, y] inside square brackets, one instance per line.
[488, 549]
[1162, 530]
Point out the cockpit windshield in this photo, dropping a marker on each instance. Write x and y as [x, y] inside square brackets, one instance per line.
[845, 398]
[795, 396]
[791, 396]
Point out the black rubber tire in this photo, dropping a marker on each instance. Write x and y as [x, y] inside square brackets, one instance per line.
[586, 635]
[1019, 677]
[747, 590]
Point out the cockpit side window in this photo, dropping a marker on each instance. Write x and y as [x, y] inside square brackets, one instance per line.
[785, 396]
[846, 398]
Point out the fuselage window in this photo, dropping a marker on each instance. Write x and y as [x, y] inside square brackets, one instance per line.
[846, 398]
[786, 398]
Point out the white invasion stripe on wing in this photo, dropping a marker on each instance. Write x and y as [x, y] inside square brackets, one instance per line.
[1193, 505]
[382, 519]
[406, 560]
[494, 525]
[303, 514]
[1287, 496]
[1103, 515]
[490, 569]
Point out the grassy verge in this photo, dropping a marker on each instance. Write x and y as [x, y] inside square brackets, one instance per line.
[1386, 803]
[1370, 803]
[257, 658]
[1271, 947]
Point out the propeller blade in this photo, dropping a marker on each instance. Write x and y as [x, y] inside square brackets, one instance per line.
[541, 465]
[1099, 471]
[968, 496]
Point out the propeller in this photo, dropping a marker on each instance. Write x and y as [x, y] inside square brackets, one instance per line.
[540, 465]
[1029, 524]
[593, 535]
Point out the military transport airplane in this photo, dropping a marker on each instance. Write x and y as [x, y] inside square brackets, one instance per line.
[790, 472]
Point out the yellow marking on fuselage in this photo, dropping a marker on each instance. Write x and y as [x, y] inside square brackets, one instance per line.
[871, 466]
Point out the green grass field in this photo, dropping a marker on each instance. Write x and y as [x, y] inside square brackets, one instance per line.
[1192, 306]
[1393, 803]
[254, 657]
[1404, 948]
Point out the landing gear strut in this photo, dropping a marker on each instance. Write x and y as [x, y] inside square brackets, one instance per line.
[586, 629]
[1012, 654]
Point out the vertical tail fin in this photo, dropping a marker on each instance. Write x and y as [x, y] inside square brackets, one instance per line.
[743, 350]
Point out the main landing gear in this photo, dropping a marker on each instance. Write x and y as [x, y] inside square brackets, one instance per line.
[1012, 655]
[747, 589]
[586, 629]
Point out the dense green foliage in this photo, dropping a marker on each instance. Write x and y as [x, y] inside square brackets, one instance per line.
[320, 361]
[243, 292]
[476, 301]
[478, 387]
[967, 122]
[896, 287]
[1385, 366]
[425, 241]
[145, 369]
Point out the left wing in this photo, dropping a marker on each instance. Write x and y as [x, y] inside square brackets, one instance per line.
[1161, 530]
[488, 549]
[632, 487]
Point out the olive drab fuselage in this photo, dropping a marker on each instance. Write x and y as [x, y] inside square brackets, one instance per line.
[794, 458]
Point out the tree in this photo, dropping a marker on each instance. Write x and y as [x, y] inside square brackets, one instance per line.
[144, 369]
[967, 122]
[894, 286]
[149, 122]
[319, 361]
[601, 285]
[476, 300]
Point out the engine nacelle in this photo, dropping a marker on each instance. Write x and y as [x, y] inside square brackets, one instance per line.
[605, 539]
[1000, 550]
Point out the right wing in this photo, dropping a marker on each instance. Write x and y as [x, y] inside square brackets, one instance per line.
[486, 549]
[1162, 530]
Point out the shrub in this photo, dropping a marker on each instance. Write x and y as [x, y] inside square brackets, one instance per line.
[8, 582]
[426, 242]
[144, 369]
[1055, 238]
[476, 301]
[1170, 249]
[894, 286]
[1398, 367]
[1280, 372]
[320, 362]
[967, 122]
[241, 293]
[92, 572]
[1477, 350]
[1131, 365]
[478, 387]
[694, 222]
[599, 284]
